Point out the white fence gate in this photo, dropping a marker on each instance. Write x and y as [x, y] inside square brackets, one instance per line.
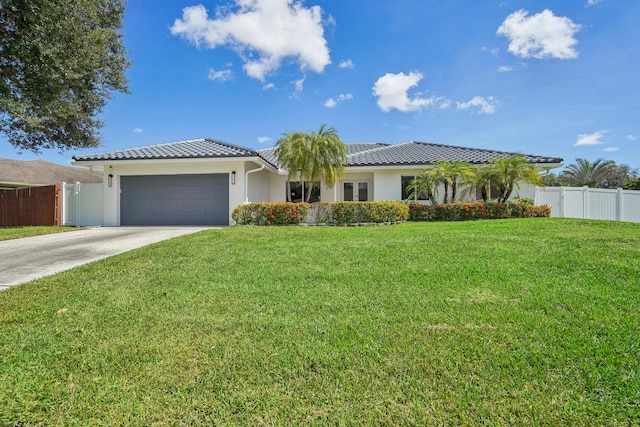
[590, 203]
[81, 204]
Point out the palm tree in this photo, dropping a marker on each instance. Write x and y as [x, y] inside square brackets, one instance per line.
[509, 172]
[481, 179]
[423, 182]
[451, 175]
[583, 172]
[315, 156]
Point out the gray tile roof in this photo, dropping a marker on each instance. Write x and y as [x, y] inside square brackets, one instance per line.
[423, 153]
[415, 153]
[361, 154]
[191, 149]
[269, 155]
[358, 147]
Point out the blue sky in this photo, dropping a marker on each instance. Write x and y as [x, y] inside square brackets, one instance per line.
[558, 78]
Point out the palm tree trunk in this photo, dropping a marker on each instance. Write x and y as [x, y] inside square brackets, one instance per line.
[446, 192]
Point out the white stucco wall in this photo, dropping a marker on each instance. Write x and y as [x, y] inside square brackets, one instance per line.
[258, 188]
[277, 188]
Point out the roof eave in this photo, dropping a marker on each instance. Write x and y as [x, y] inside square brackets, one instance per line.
[100, 163]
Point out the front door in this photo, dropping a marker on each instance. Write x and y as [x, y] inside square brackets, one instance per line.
[355, 191]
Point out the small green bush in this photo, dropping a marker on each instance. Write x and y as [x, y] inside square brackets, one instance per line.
[259, 213]
[466, 211]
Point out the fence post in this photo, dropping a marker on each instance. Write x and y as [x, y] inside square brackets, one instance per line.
[585, 203]
[562, 212]
[57, 216]
[76, 191]
[620, 205]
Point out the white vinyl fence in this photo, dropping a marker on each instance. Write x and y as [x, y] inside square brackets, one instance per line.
[81, 204]
[590, 203]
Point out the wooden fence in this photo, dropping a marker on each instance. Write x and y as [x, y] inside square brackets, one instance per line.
[30, 206]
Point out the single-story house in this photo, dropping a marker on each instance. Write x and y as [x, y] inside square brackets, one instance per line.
[201, 181]
[36, 173]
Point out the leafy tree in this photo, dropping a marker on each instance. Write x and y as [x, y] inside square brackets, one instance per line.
[619, 176]
[585, 173]
[633, 184]
[552, 180]
[59, 62]
[315, 156]
[509, 172]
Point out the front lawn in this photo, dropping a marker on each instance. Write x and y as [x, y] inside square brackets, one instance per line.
[504, 322]
[8, 233]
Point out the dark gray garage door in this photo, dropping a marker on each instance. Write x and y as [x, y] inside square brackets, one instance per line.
[174, 200]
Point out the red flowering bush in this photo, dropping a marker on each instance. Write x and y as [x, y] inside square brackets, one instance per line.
[466, 211]
[320, 213]
[260, 213]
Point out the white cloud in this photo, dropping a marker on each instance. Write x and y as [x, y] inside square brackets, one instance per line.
[347, 64]
[138, 130]
[543, 35]
[610, 149]
[590, 139]
[631, 137]
[486, 105]
[298, 86]
[493, 52]
[264, 139]
[443, 103]
[504, 69]
[268, 86]
[392, 92]
[332, 102]
[221, 76]
[262, 32]
[592, 2]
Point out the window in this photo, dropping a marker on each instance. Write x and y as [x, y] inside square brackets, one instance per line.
[405, 180]
[493, 193]
[355, 191]
[298, 192]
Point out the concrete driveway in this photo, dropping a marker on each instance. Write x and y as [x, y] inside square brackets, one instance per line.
[23, 260]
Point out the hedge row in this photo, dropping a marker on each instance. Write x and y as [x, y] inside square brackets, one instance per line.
[459, 211]
[259, 213]
[337, 213]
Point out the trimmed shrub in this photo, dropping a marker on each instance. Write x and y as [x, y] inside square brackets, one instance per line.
[459, 211]
[320, 213]
[270, 213]
[368, 212]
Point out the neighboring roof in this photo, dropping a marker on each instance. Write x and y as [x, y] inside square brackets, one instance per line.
[31, 173]
[423, 153]
[191, 149]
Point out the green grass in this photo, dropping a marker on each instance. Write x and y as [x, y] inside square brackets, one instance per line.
[514, 322]
[7, 233]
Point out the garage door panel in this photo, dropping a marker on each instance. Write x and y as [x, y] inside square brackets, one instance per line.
[175, 199]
